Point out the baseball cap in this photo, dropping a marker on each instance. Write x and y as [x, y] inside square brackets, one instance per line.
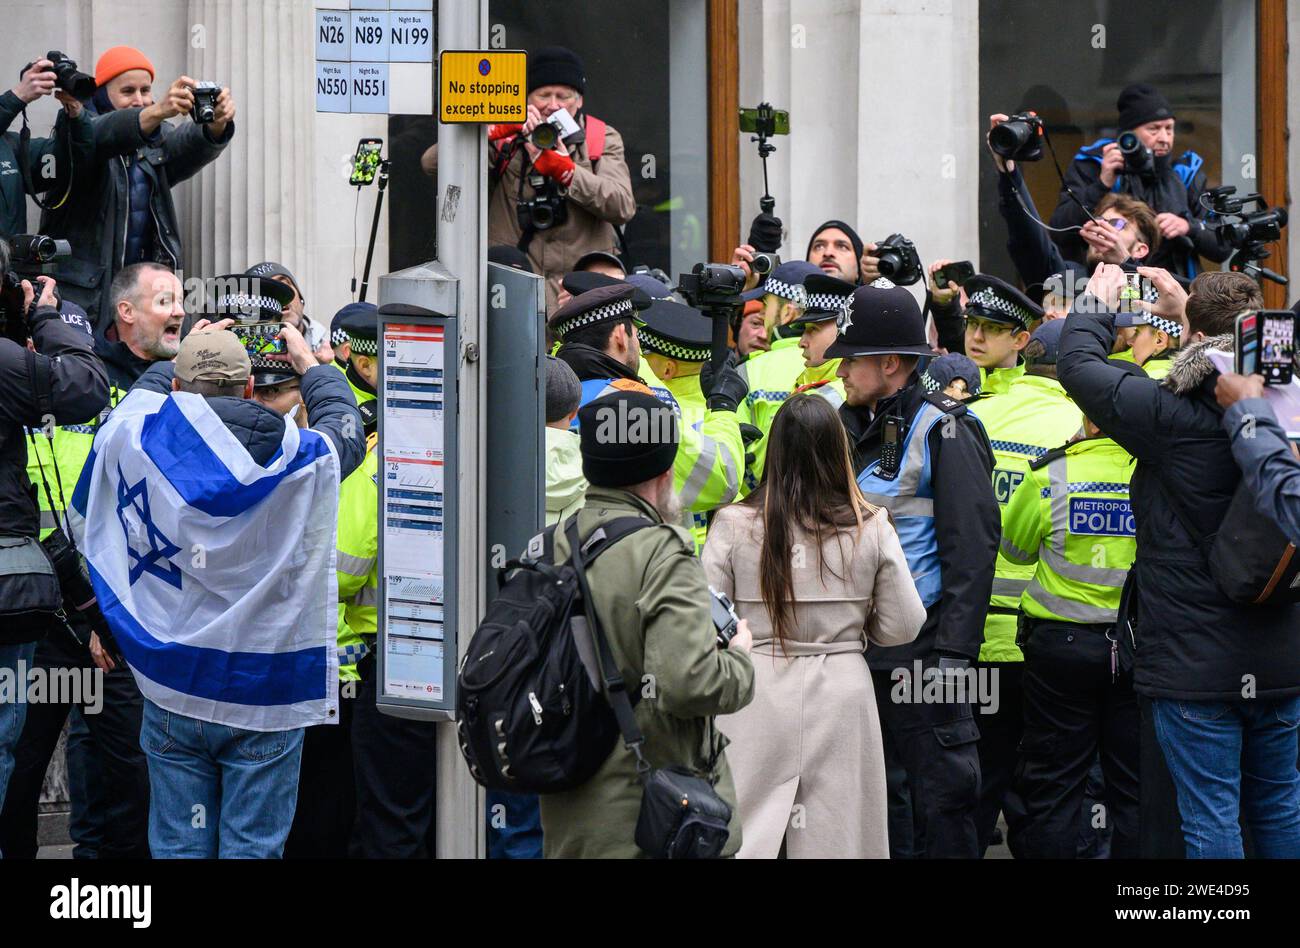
[212, 355]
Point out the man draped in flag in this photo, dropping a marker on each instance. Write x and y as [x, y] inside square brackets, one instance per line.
[207, 521]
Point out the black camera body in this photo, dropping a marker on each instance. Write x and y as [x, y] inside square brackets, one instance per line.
[725, 620]
[899, 260]
[547, 208]
[1019, 138]
[67, 77]
[1249, 232]
[1138, 158]
[204, 111]
[712, 285]
[31, 257]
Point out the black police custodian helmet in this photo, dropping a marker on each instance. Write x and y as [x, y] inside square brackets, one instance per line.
[880, 319]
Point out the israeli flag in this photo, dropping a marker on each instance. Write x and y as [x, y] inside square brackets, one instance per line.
[216, 574]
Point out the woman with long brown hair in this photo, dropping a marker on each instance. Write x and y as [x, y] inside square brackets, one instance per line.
[820, 575]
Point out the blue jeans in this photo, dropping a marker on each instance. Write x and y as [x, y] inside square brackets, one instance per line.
[13, 714]
[1231, 760]
[218, 791]
[514, 825]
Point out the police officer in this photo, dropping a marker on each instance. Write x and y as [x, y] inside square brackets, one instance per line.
[826, 296]
[1071, 519]
[392, 758]
[1030, 417]
[600, 342]
[998, 321]
[772, 375]
[675, 341]
[927, 459]
[360, 321]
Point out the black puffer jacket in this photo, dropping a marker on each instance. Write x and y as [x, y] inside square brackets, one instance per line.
[1191, 641]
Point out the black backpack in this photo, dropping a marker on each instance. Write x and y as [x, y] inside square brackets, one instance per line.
[530, 713]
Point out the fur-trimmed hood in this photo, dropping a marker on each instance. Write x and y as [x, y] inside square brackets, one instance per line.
[1192, 365]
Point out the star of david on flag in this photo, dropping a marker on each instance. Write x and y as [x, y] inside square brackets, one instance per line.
[156, 560]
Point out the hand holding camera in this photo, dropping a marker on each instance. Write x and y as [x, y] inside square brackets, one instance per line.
[298, 353]
[1173, 298]
[37, 80]
[942, 293]
[1106, 283]
[1112, 164]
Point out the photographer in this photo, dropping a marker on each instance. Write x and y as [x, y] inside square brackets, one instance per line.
[582, 183]
[61, 381]
[120, 210]
[1171, 186]
[1222, 679]
[72, 143]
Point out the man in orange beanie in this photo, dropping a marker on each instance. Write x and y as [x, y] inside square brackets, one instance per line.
[120, 211]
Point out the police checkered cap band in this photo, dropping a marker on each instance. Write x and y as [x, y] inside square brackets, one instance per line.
[243, 302]
[365, 347]
[790, 291]
[338, 337]
[931, 385]
[988, 299]
[656, 343]
[1167, 325]
[599, 314]
[826, 302]
[1149, 292]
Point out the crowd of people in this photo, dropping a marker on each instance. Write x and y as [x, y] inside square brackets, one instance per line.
[965, 540]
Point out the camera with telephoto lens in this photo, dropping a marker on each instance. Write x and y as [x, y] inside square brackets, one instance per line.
[1138, 158]
[31, 258]
[1019, 138]
[725, 620]
[204, 111]
[558, 125]
[66, 76]
[1246, 232]
[899, 260]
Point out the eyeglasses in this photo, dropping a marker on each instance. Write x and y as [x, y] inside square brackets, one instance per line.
[1118, 223]
[986, 327]
[564, 97]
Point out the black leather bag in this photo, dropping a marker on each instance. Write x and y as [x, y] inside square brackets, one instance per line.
[30, 600]
[682, 816]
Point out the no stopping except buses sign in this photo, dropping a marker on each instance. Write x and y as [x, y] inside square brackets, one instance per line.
[482, 85]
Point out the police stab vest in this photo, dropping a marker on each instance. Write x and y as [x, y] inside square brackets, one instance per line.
[910, 499]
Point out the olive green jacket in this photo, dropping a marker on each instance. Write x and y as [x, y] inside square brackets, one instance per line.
[652, 599]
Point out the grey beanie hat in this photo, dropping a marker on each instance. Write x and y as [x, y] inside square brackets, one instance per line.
[563, 390]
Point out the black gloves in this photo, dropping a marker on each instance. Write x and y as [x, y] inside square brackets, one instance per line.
[725, 391]
[765, 233]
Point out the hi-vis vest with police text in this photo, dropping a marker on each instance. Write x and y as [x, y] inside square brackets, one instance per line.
[1072, 518]
[910, 499]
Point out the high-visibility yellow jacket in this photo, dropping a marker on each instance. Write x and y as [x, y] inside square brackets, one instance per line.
[1071, 519]
[358, 561]
[1032, 416]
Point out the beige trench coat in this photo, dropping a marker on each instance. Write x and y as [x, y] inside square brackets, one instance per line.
[599, 201]
[806, 754]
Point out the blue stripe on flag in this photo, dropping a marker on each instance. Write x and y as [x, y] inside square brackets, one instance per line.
[260, 679]
[200, 476]
[81, 492]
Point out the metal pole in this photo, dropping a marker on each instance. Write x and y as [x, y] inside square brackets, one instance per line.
[374, 227]
[462, 249]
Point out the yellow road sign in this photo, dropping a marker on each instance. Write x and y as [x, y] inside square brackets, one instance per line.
[479, 85]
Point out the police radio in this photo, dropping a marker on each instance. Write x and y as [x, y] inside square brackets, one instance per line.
[891, 447]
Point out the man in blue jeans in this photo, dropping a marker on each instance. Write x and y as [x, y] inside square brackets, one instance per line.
[13, 660]
[1222, 679]
[200, 502]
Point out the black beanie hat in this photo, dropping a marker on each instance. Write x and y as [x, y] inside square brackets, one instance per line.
[556, 65]
[852, 234]
[1141, 103]
[628, 437]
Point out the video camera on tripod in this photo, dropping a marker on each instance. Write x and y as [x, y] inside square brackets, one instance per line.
[714, 289]
[1247, 233]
